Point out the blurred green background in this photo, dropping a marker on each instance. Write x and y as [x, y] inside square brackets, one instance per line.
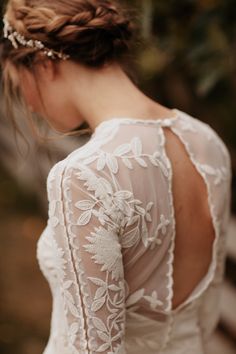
[186, 60]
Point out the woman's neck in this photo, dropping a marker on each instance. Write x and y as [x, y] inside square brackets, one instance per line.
[99, 94]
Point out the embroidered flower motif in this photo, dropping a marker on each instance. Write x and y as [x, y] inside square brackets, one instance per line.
[163, 224]
[153, 300]
[106, 249]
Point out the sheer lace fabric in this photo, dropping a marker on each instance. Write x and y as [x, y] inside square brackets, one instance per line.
[108, 248]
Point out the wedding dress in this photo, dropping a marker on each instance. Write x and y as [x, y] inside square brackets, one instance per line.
[108, 248]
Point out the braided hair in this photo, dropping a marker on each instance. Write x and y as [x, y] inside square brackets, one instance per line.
[92, 32]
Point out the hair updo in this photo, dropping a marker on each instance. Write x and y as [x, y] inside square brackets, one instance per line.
[91, 32]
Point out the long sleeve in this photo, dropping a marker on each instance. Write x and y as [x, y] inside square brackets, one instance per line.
[89, 260]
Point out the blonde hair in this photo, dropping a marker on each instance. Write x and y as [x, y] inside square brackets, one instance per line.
[92, 32]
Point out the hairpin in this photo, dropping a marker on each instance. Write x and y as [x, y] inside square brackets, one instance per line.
[16, 38]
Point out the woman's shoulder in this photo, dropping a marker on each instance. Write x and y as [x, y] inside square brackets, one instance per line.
[109, 142]
[87, 160]
[204, 135]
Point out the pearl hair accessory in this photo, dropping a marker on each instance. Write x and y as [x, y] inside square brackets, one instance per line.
[16, 38]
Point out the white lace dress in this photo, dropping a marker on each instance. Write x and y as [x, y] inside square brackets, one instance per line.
[108, 248]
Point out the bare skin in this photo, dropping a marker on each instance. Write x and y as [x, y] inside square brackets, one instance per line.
[73, 93]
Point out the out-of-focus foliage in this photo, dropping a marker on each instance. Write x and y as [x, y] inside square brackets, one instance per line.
[198, 35]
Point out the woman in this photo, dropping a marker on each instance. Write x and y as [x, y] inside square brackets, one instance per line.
[134, 248]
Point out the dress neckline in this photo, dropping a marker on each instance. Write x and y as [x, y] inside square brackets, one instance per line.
[126, 119]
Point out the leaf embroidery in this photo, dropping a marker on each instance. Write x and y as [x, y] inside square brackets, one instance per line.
[135, 297]
[127, 162]
[85, 204]
[155, 240]
[136, 146]
[84, 218]
[112, 163]
[141, 161]
[122, 149]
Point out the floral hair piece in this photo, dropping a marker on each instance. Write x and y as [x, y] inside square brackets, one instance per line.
[16, 38]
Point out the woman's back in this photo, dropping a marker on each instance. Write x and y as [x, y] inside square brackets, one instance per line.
[194, 227]
[135, 244]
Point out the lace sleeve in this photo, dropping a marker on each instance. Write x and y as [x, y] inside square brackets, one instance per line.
[90, 267]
